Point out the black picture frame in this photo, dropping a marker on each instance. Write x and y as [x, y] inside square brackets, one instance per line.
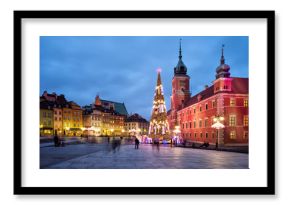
[268, 190]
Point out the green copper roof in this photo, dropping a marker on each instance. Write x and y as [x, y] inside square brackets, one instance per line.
[119, 107]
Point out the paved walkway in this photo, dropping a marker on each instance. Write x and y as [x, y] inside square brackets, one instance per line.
[101, 156]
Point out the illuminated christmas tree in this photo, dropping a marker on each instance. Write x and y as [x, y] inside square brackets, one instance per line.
[159, 128]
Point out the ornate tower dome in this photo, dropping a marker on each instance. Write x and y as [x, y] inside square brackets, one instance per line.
[222, 71]
[180, 68]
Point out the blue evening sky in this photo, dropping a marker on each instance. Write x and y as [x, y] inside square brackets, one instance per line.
[123, 68]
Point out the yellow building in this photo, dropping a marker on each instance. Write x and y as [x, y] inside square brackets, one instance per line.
[66, 116]
[104, 118]
[46, 119]
[57, 120]
[136, 125]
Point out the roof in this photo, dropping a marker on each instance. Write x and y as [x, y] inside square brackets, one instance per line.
[119, 107]
[136, 118]
[239, 86]
[46, 105]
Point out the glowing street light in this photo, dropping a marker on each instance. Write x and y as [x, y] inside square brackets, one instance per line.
[218, 125]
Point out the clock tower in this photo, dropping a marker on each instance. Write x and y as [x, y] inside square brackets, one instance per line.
[180, 89]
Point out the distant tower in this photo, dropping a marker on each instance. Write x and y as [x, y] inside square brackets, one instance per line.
[223, 80]
[98, 100]
[159, 128]
[180, 89]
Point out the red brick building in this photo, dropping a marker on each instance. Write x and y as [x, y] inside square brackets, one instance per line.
[226, 99]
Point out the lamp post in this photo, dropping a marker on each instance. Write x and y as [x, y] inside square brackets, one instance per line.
[112, 131]
[176, 131]
[218, 125]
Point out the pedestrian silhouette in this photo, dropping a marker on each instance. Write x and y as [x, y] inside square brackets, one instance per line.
[116, 145]
[56, 140]
[137, 142]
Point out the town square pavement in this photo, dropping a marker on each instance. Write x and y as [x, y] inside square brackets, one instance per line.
[103, 156]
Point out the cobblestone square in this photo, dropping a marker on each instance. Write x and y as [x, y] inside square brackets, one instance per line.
[102, 156]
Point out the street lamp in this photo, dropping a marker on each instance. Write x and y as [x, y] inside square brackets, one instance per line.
[176, 131]
[218, 125]
[112, 131]
[67, 129]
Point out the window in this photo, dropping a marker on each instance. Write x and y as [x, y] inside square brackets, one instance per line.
[55, 112]
[200, 109]
[246, 102]
[195, 135]
[206, 106]
[206, 135]
[201, 135]
[55, 118]
[245, 136]
[205, 122]
[246, 120]
[59, 112]
[233, 135]
[232, 120]
[212, 135]
[193, 110]
[190, 125]
[194, 124]
[232, 102]
[213, 104]
[200, 123]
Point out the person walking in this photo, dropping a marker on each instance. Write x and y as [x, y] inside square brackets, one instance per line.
[137, 143]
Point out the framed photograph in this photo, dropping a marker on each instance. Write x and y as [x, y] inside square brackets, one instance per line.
[144, 102]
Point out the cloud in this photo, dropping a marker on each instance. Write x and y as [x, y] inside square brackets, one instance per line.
[123, 69]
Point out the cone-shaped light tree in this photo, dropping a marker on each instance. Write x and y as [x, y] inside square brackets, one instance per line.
[159, 127]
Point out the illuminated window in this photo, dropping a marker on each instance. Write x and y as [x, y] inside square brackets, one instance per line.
[232, 120]
[246, 135]
[233, 135]
[246, 103]
[246, 120]
[232, 102]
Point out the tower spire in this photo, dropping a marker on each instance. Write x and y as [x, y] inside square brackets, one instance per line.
[222, 57]
[180, 55]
